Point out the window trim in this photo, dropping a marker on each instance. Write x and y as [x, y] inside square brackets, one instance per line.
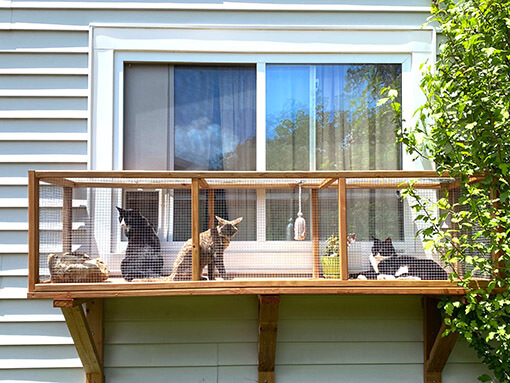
[111, 46]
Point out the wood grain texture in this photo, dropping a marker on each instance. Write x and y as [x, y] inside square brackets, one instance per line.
[80, 332]
[268, 329]
[33, 230]
[67, 220]
[315, 234]
[342, 228]
[195, 229]
[436, 347]
[94, 314]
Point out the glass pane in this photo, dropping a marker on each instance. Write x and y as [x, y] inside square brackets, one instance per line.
[214, 117]
[281, 211]
[228, 204]
[288, 117]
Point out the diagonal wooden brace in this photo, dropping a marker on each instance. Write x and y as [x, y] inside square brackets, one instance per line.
[268, 328]
[437, 348]
[87, 334]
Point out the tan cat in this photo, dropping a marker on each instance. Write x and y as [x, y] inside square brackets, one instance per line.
[213, 243]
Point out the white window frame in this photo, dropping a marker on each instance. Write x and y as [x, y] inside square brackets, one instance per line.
[113, 45]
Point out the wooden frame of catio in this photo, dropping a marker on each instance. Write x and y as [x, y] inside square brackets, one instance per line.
[86, 326]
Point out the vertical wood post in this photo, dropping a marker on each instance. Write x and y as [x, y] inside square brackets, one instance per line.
[315, 233]
[210, 207]
[33, 230]
[268, 328]
[195, 229]
[94, 313]
[342, 228]
[436, 347]
[67, 219]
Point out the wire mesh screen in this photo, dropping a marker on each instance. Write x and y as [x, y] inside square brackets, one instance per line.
[387, 230]
[119, 230]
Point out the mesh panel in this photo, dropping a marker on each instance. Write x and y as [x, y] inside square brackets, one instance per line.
[128, 229]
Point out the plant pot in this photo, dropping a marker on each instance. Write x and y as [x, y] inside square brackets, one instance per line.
[331, 267]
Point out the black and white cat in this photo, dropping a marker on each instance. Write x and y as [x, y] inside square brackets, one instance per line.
[386, 264]
[143, 254]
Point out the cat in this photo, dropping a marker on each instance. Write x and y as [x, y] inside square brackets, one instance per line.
[213, 243]
[143, 254]
[386, 264]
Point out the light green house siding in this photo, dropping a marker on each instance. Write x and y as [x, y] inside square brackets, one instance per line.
[44, 88]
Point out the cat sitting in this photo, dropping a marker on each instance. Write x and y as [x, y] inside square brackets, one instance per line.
[386, 264]
[213, 243]
[143, 254]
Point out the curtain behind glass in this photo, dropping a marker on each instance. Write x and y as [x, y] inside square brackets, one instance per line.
[214, 118]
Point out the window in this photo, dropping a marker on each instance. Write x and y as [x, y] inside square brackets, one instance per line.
[318, 117]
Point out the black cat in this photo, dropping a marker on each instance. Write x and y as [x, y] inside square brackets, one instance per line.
[385, 261]
[143, 254]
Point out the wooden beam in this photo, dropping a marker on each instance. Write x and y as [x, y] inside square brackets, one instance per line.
[268, 328]
[33, 230]
[210, 207]
[436, 347]
[67, 220]
[195, 229]
[326, 183]
[315, 234]
[83, 340]
[68, 303]
[203, 183]
[94, 312]
[342, 228]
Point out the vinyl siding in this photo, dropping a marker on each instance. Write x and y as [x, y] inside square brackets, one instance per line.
[43, 125]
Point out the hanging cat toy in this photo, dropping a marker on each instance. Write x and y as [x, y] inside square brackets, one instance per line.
[300, 223]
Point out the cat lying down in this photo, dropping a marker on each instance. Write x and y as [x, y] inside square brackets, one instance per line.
[386, 264]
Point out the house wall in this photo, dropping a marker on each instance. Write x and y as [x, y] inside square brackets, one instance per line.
[43, 125]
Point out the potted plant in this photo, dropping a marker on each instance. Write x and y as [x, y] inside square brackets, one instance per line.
[330, 262]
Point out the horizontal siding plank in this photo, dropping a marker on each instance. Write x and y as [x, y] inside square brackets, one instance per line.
[182, 331]
[26, 357]
[13, 287]
[34, 82]
[162, 375]
[242, 6]
[42, 103]
[43, 127]
[13, 265]
[339, 353]
[462, 353]
[44, 93]
[42, 148]
[340, 330]
[60, 375]
[21, 169]
[407, 373]
[43, 159]
[206, 17]
[45, 39]
[46, 50]
[463, 372]
[45, 71]
[237, 374]
[43, 226]
[53, 114]
[26, 311]
[160, 355]
[42, 27]
[310, 307]
[27, 334]
[53, 137]
[18, 61]
[181, 308]
[14, 248]
[13, 181]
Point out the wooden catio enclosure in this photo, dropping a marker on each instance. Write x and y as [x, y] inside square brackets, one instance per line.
[125, 233]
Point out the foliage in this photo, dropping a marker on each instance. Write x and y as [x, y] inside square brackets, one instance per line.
[464, 128]
[333, 246]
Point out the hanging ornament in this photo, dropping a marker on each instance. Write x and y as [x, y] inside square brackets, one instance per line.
[300, 223]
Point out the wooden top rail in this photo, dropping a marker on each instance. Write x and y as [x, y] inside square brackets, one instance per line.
[42, 174]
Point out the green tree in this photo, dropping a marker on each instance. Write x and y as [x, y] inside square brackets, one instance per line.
[464, 128]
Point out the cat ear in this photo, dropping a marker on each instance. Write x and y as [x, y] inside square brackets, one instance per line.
[221, 221]
[388, 240]
[119, 209]
[236, 222]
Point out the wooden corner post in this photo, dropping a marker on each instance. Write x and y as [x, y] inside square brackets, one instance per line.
[67, 219]
[315, 234]
[268, 328]
[342, 228]
[33, 230]
[195, 229]
[436, 347]
[87, 333]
